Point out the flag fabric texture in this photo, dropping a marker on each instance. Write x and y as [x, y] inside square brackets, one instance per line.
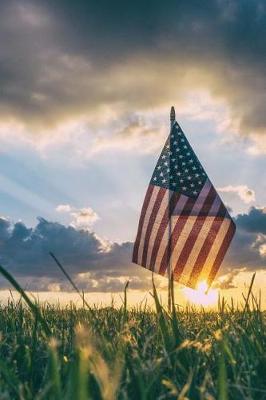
[184, 227]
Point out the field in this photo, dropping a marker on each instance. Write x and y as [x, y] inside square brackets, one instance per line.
[90, 353]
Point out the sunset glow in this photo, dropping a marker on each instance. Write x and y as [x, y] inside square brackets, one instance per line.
[200, 296]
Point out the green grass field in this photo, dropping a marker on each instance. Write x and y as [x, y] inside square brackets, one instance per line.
[53, 353]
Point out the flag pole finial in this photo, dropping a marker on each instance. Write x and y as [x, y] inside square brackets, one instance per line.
[172, 116]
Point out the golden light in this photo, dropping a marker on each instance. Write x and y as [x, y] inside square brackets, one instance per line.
[200, 296]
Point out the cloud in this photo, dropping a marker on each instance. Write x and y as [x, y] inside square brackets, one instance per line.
[243, 191]
[83, 218]
[93, 264]
[63, 208]
[100, 265]
[88, 58]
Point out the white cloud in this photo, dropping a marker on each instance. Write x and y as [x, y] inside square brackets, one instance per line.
[63, 208]
[82, 218]
[243, 191]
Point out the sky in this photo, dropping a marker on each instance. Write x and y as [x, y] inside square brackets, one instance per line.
[85, 93]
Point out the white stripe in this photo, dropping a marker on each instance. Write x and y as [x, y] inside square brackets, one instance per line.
[146, 221]
[201, 239]
[157, 223]
[215, 249]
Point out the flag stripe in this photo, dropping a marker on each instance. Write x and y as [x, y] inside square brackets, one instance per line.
[146, 221]
[192, 235]
[141, 222]
[206, 247]
[162, 200]
[199, 246]
[156, 225]
[221, 253]
[176, 240]
[164, 235]
[178, 227]
[162, 228]
[223, 231]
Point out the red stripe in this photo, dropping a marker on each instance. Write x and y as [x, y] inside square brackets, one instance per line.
[141, 221]
[166, 217]
[175, 236]
[153, 215]
[206, 247]
[221, 253]
[192, 237]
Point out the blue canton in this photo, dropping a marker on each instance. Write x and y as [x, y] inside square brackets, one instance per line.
[178, 168]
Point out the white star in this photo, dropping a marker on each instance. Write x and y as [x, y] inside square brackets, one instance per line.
[161, 174]
[159, 167]
[179, 133]
[163, 156]
[172, 136]
[173, 159]
[174, 184]
[199, 182]
[195, 192]
[196, 175]
[168, 170]
[175, 166]
[178, 149]
[194, 168]
[191, 161]
[175, 142]
[180, 156]
[188, 154]
[164, 180]
[183, 163]
[184, 187]
[189, 177]
[178, 173]
[186, 170]
[192, 185]
[185, 147]
[171, 177]
[182, 140]
[181, 180]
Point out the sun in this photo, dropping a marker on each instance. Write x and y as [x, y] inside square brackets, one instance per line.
[200, 296]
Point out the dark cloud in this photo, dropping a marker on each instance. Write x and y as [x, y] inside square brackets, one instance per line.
[248, 248]
[25, 253]
[101, 266]
[59, 59]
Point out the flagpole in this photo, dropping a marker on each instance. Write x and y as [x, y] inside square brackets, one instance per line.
[169, 267]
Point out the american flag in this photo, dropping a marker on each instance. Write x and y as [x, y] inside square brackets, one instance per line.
[184, 227]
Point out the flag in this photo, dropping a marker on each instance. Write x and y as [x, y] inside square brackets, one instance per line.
[184, 227]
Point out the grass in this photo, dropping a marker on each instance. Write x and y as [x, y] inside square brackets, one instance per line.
[48, 352]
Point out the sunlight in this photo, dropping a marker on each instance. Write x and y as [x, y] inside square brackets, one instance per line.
[199, 295]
